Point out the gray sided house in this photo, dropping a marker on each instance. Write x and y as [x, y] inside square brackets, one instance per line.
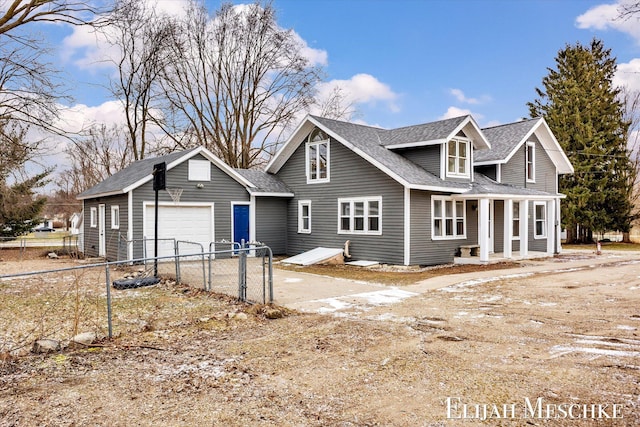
[419, 194]
[217, 203]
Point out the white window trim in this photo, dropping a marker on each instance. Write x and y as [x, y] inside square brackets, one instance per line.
[535, 220]
[115, 215]
[301, 229]
[198, 171]
[306, 158]
[532, 145]
[515, 218]
[93, 217]
[366, 201]
[464, 218]
[467, 173]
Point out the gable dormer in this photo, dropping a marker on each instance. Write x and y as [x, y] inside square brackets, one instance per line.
[444, 148]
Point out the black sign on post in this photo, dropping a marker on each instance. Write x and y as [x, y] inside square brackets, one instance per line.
[159, 183]
[159, 176]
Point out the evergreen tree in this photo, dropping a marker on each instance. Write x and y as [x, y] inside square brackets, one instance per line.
[584, 111]
[20, 206]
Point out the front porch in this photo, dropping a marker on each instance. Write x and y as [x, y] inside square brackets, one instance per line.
[498, 257]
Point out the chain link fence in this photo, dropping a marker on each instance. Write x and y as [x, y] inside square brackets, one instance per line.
[58, 242]
[51, 307]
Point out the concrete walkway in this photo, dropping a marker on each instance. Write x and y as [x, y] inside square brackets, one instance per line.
[322, 294]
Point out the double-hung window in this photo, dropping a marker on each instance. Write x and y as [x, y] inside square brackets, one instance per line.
[317, 156]
[530, 160]
[93, 218]
[540, 218]
[516, 220]
[448, 218]
[458, 157]
[115, 217]
[360, 215]
[304, 216]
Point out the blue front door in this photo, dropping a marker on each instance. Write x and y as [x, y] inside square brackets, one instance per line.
[240, 223]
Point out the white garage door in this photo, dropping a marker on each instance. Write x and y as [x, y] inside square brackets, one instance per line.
[186, 223]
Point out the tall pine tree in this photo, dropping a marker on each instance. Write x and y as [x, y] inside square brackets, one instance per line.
[20, 206]
[584, 111]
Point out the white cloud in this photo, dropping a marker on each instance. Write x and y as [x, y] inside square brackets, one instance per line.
[461, 97]
[315, 56]
[89, 50]
[628, 75]
[361, 89]
[457, 112]
[606, 16]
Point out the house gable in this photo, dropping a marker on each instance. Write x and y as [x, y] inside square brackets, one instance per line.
[141, 172]
[353, 179]
[508, 139]
[366, 142]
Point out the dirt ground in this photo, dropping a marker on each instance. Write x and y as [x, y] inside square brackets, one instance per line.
[557, 341]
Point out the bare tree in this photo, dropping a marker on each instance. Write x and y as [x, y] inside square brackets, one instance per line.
[16, 13]
[30, 91]
[337, 106]
[628, 9]
[237, 81]
[631, 102]
[142, 36]
[101, 153]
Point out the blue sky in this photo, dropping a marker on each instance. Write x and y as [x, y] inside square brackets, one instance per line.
[407, 62]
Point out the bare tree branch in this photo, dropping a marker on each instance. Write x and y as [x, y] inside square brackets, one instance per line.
[238, 80]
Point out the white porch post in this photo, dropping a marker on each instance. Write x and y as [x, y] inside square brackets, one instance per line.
[551, 229]
[524, 228]
[558, 228]
[483, 229]
[508, 229]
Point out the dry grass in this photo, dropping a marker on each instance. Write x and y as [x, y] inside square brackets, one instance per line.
[396, 276]
[187, 357]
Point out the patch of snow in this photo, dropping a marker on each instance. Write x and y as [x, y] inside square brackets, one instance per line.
[461, 287]
[384, 297]
[560, 350]
[626, 327]
[386, 317]
[335, 303]
[292, 280]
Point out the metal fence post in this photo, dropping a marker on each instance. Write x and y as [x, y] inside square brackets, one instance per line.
[270, 253]
[177, 253]
[242, 272]
[108, 279]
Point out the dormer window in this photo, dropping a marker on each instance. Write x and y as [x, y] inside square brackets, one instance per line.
[531, 162]
[317, 154]
[458, 150]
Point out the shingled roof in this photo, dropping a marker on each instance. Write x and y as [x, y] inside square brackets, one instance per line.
[504, 140]
[265, 183]
[367, 140]
[132, 174]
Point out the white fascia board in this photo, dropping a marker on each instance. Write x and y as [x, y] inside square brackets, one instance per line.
[416, 144]
[267, 194]
[562, 162]
[216, 161]
[480, 141]
[551, 146]
[489, 162]
[95, 196]
[509, 196]
[437, 189]
[290, 146]
[390, 172]
[209, 156]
